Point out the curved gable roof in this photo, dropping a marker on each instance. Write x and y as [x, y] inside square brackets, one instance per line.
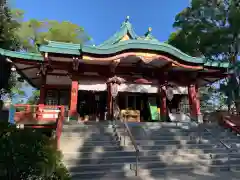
[114, 45]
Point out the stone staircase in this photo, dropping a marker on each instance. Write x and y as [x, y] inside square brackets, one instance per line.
[92, 152]
[185, 151]
[181, 151]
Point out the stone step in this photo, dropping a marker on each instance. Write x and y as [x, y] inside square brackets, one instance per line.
[187, 150]
[149, 171]
[96, 155]
[190, 166]
[86, 148]
[111, 178]
[98, 167]
[94, 143]
[194, 171]
[84, 130]
[181, 146]
[164, 142]
[162, 124]
[87, 138]
[208, 163]
[88, 132]
[126, 157]
[233, 154]
[78, 145]
[143, 133]
[110, 174]
[190, 175]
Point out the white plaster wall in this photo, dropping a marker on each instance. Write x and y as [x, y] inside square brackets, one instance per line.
[98, 85]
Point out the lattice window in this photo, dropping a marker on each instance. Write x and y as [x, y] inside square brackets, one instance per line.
[52, 97]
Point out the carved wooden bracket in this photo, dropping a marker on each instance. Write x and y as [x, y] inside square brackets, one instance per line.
[114, 64]
[43, 69]
[75, 63]
[116, 79]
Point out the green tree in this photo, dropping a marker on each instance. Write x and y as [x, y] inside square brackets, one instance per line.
[33, 99]
[211, 29]
[8, 40]
[34, 32]
[29, 154]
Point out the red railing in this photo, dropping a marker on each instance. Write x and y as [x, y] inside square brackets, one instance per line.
[40, 116]
[231, 122]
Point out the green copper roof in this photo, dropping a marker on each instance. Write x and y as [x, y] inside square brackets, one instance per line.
[148, 36]
[21, 55]
[113, 45]
[126, 29]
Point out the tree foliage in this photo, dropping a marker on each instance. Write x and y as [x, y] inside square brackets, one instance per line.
[211, 28]
[34, 32]
[29, 154]
[8, 40]
[22, 35]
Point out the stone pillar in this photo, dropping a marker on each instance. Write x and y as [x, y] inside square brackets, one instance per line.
[163, 104]
[109, 102]
[194, 103]
[73, 100]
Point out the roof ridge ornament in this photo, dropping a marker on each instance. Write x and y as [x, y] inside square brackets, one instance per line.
[126, 21]
[148, 32]
[127, 18]
[46, 40]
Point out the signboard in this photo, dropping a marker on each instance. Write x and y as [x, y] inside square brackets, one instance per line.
[11, 115]
[155, 116]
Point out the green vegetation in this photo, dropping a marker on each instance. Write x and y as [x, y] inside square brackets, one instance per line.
[8, 40]
[25, 36]
[211, 29]
[29, 154]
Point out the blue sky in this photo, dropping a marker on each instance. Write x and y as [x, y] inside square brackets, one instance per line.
[102, 18]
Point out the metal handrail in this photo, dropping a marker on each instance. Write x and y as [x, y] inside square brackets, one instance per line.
[128, 131]
[224, 144]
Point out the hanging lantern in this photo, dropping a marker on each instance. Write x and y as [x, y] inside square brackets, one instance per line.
[115, 82]
[114, 90]
[169, 93]
[13, 69]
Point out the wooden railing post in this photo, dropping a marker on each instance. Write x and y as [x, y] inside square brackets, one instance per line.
[28, 109]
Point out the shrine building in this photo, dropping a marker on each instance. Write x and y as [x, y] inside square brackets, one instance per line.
[149, 78]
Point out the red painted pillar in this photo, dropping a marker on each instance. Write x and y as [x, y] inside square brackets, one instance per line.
[163, 105]
[109, 102]
[42, 90]
[194, 103]
[42, 98]
[42, 95]
[73, 101]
